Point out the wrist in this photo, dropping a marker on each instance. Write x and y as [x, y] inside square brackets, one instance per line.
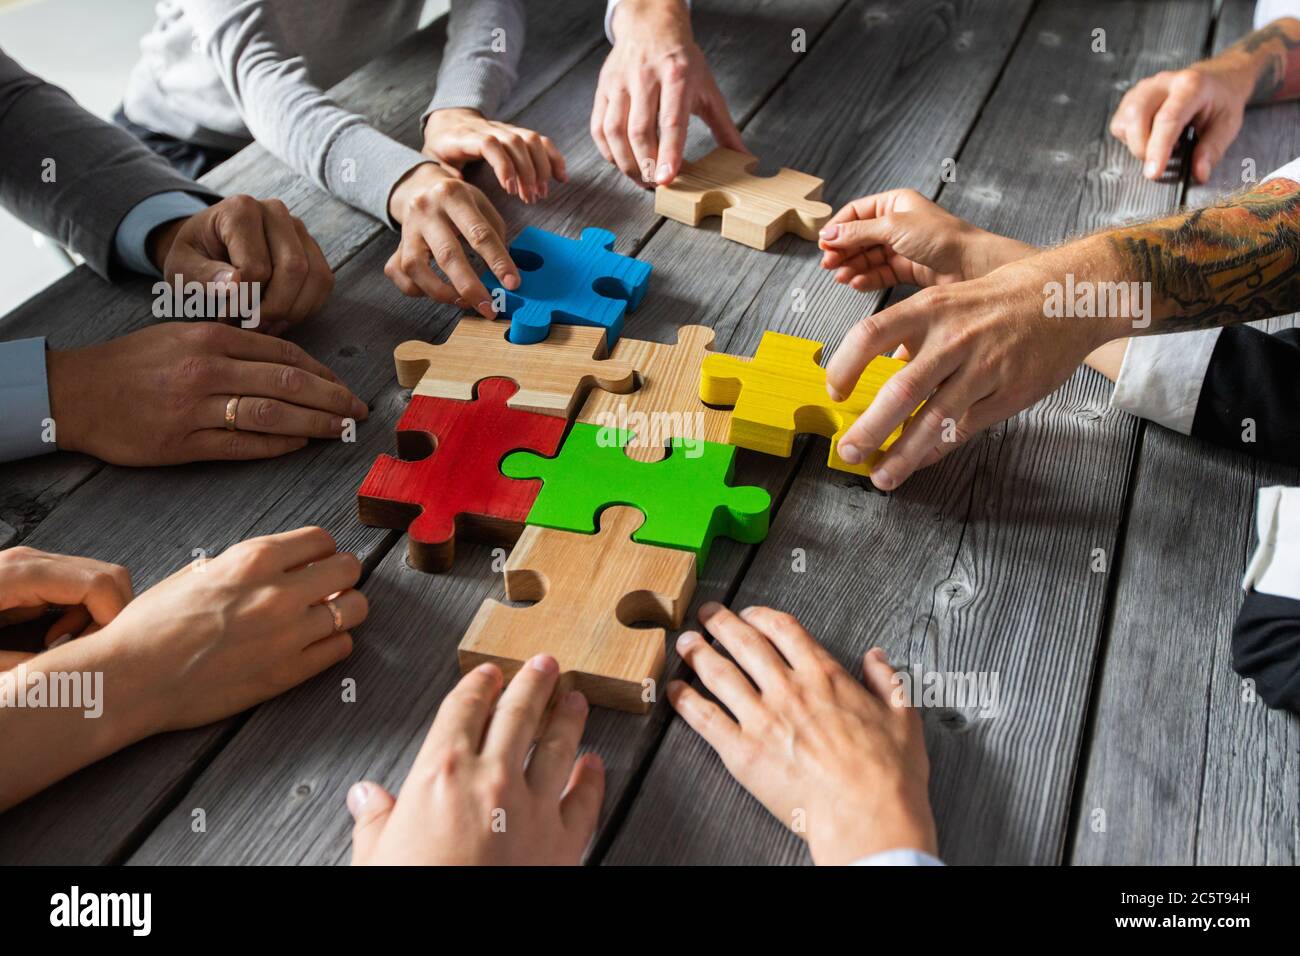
[127, 701]
[62, 379]
[986, 251]
[159, 243]
[413, 182]
[865, 828]
[1239, 71]
[662, 19]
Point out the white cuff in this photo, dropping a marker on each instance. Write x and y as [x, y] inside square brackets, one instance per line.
[1290, 171]
[1161, 377]
[1266, 11]
[900, 857]
[1275, 567]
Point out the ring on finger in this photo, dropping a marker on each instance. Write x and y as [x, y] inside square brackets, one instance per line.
[232, 412]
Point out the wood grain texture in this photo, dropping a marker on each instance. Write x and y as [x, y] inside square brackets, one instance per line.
[554, 376]
[982, 562]
[666, 401]
[279, 796]
[755, 210]
[1212, 777]
[589, 589]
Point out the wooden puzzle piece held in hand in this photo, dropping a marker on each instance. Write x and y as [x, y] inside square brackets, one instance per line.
[589, 589]
[755, 210]
[454, 485]
[574, 281]
[666, 403]
[687, 498]
[553, 376]
[781, 392]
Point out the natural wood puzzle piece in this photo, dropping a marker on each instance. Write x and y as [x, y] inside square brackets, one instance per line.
[574, 281]
[451, 482]
[687, 498]
[781, 392]
[755, 210]
[666, 403]
[589, 589]
[553, 376]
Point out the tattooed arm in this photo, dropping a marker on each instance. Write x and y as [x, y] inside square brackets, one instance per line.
[1211, 96]
[983, 349]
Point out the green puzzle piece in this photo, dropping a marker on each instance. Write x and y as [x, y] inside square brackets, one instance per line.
[686, 500]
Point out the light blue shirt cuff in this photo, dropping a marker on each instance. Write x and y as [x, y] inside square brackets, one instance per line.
[24, 400]
[899, 858]
[130, 245]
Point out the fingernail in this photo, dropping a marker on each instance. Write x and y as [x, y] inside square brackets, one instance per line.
[708, 609]
[834, 393]
[831, 231]
[225, 275]
[488, 670]
[575, 702]
[663, 173]
[461, 303]
[685, 639]
[359, 409]
[59, 642]
[359, 794]
[511, 282]
[850, 454]
[1150, 169]
[485, 309]
[336, 424]
[882, 479]
[544, 663]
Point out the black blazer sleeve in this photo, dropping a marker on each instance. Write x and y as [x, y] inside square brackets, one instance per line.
[1253, 375]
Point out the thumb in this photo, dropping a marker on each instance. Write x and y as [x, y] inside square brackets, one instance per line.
[856, 233]
[580, 806]
[370, 805]
[878, 675]
[1211, 144]
[191, 262]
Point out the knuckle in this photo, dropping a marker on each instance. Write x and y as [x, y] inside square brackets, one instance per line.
[446, 252]
[294, 267]
[289, 379]
[480, 233]
[266, 412]
[411, 262]
[241, 203]
[196, 371]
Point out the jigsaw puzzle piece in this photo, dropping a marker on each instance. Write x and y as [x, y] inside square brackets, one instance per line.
[755, 210]
[590, 589]
[448, 481]
[781, 392]
[574, 281]
[666, 403]
[553, 376]
[687, 498]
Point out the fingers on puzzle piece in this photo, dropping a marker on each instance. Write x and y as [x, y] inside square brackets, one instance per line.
[666, 403]
[755, 210]
[573, 281]
[554, 375]
[589, 589]
[781, 392]
[448, 481]
[687, 497]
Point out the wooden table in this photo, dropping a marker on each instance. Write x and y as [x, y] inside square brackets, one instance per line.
[1121, 734]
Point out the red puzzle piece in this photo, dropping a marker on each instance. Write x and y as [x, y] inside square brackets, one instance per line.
[448, 479]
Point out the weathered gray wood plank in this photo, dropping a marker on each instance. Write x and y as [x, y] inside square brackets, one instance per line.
[982, 563]
[699, 278]
[1210, 776]
[392, 91]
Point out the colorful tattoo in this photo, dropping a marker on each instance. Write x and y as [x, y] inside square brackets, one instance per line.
[1276, 48]
[1235, 261]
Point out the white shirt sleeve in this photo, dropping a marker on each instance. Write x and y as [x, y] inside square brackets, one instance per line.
[900, 857]
[1275, 567]
[1266, 11]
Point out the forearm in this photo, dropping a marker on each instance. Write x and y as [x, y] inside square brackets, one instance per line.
[64, 710]
[480, 63]
[1235, 261]
[658, 17]
[1271, 57]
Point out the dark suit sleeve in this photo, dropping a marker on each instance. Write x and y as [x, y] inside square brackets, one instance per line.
[1253, 376]
[1266, 648]
[70, 174]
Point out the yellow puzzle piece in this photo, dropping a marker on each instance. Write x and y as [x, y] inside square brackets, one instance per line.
[781, 392]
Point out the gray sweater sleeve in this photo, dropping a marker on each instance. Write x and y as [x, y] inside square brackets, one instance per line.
[289, 115]
[485, 39]
[70, 174]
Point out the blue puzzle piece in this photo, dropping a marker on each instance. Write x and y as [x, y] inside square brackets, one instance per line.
[573, 281]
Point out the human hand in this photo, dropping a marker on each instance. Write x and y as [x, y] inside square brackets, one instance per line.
[1210, 95]
[979, 351]
[159, 396]
[436, 210]
[523, 160]
[474, 796]
[654, 79]
[91, 592]
[902, 238]
[810, 742]
[241, 239]
[221, 636]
